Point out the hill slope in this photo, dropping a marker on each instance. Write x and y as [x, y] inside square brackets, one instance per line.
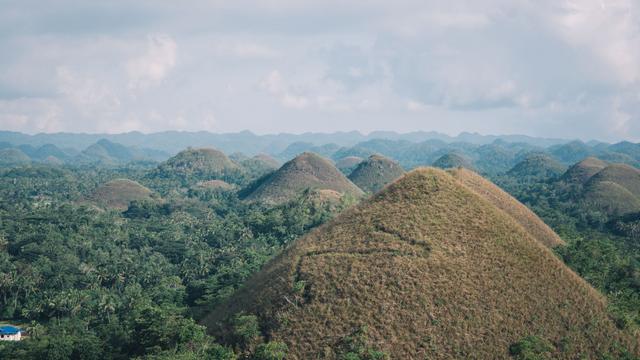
[537, 166]
[502, 200]
[581, 172]
[374, 173]
[623, 175]
[433, 270]
[11, 156]
[348, 164]
[306, 171]
[118, 193]
[614, 190]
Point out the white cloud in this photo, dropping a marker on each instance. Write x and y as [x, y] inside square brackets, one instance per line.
[153, 66]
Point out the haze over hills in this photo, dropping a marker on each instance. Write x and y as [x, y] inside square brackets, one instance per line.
[431, 269]
[306, 171]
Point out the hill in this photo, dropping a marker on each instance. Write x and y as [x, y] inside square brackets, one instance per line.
[347, 164]
[502, 200]
[259, 165]
[118, 193]
[537, 166]
[196, 164]
[430, 269]
[12, 157]
[306, 171]
[374, 173]
[572, 152]
[452, 160]
[614, 190]
[581, 172]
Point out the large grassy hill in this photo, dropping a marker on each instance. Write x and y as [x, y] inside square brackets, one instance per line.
[196, 164]
[430, 269]
[306, 171]
[374, 173]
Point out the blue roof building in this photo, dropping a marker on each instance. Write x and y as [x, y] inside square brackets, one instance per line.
[10, 333]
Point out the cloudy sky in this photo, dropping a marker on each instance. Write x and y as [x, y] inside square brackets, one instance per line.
[557, 68]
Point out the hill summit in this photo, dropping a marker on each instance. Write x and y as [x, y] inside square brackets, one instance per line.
[451, 161]
[118, 193]
[430, 269]
[374, 173]
[306, 171]
[614, 190]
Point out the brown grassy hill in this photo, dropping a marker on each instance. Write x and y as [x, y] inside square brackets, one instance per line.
[348, 164]
[374, 173]
[118, 193]
[581, 172]
[433, 270]
[621, 174]
[610, 197]
[306, 171]
[501, 199]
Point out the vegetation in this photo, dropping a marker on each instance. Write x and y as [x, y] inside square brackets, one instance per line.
[389, 264]
[89, 284]
[452, 160]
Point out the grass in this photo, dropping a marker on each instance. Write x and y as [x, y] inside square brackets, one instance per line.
[374, 173]
[433, 270]
[306, 171]
[537, 165]
[581, 172]
[118, 193]
[502, 200]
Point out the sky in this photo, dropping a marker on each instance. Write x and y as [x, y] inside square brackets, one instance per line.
[552, 68]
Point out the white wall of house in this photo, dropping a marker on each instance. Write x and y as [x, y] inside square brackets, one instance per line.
[16, 337]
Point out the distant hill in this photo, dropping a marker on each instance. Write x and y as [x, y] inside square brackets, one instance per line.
[572, 152]
[306, 171]
[581, 172]
[12, 157]
[259, 165]
[347, 164]
[452, 160]
[196, 165]
[427, 268]
[117, 194]
[298, 148]
[537, 166]
[374, 173]
[109, 153]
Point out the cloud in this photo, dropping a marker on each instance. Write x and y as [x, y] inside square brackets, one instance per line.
[152, 67]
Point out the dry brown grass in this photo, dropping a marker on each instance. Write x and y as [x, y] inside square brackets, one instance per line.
[434, 270]
[501, 199]
[374, 173]
[581, 172]
[118, 193]
[306, 171]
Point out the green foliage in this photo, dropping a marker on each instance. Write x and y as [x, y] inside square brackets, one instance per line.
[356, 346]
[532, 348]
[273, 350]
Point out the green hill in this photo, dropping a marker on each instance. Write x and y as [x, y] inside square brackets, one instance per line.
[614, 190]
[581, 172]
[347, 164]
[427, 268]
[539, 166]
[374, 173]
[623, 175]
[196, 165]
[453, 160]
[118, 193]
[260, 165]
[12, 157]
[306, 171]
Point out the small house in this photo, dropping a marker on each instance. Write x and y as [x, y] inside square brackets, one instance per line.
[10, 333]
